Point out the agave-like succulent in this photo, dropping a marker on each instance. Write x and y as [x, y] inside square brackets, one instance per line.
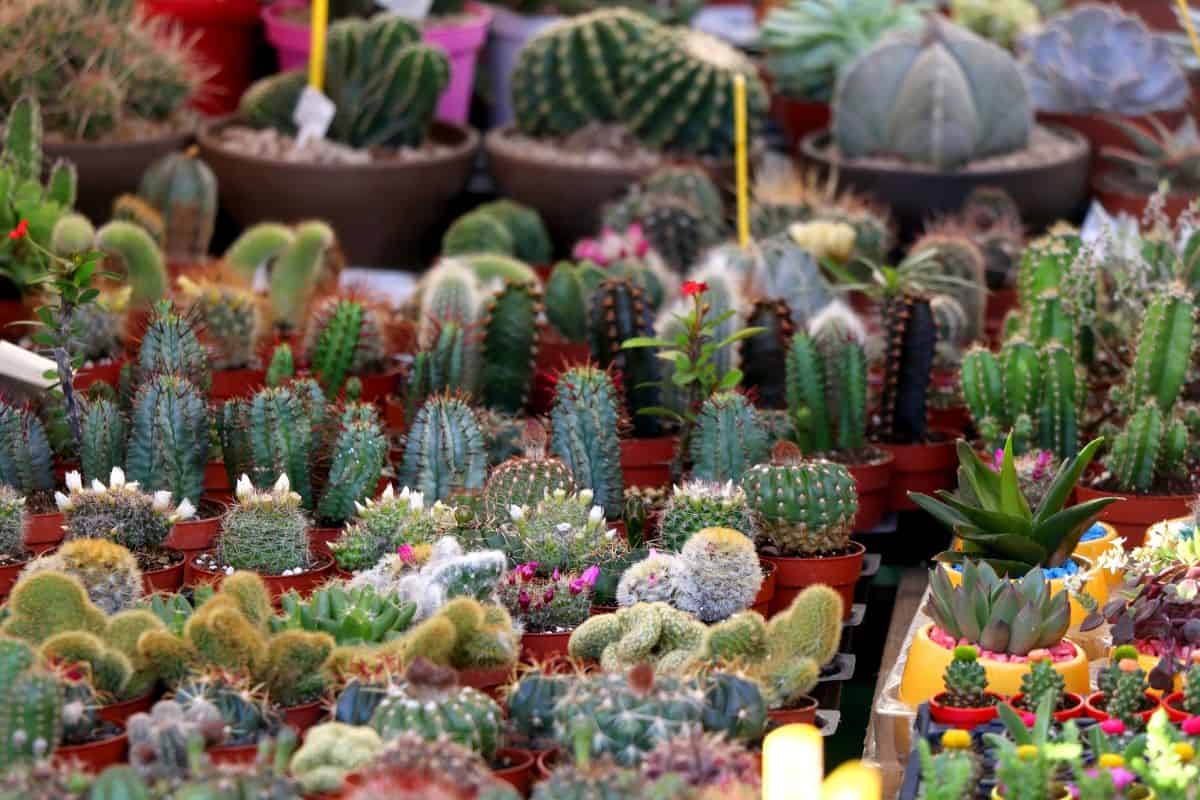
[992, 517]
[999, 615]
[1097, 59]
[1161, 154]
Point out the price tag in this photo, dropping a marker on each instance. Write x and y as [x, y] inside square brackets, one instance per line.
[413, 9]
[313, 115]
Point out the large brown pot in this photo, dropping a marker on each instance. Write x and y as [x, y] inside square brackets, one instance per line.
[647, 462]
[793, 574]
[871, 482]
[537, 648]
[381, 210]
[109, 169]
[44, 531]
[922, 468]
[1135, 513]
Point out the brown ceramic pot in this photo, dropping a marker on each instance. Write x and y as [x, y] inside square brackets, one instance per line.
[793, 574]
[766, 590]
[804, 711]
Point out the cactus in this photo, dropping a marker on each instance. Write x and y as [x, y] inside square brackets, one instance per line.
[1191, 689]
[1128, 697]
[99, 327]
[159, 739]
[531, 702]
[184, 190]
[697, 505]
[345, 338]
[444, 451]
[1148, 448]
[764, 357]
[293, 670]
[781, 269]
[108, 572]
[510, 340]
[133, 254]
[12, 523]
[561, 531]
[802, 506]
[1058, 412]
[245, 711]
[568, 297]
[359, 453]
[382, 526]
[619, 312]
[701, 760]
[585, 419]
[728, 439]
[807, 398]
[169, 437]
[265, 532]
[360, 615]
[107, 670]
[25, 458]
[716, 574]
[131, 208]
[31, 720]
[120, 512]
[330, 751]
[654, 632]
[477, 232]
[966, 680]
[1042, 683]
[677, 229]
[524, 480]
[282, 367]
[411, 766]
[1017, 391]
[734, 705]
[230, 319]
[961, 258]
[1044, 264]
[919, 95]
[269, 435]
[172, 345]
[651, 580]
[46, 603]
[300, 261]
[910, 336]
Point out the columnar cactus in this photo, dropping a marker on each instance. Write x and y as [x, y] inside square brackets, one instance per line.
[344, 338]
[169, 437]
[450, 361]
[826, 383]
[910, 335]
[265, 532]
[568, 297]
[525, 480]
[1191, 689]
[282, 367]
[184, 190]
[1128, 697]
[31, 721]
[510, 340]
[965, 679]
[1042, 682]
[586, 418]
[729, 438]
[620, 312]
[697, 505]
[359, 454]
[105, 432]
[764, 357]
[269, 435]
[802, 507]
[444, 452]
[172, 346]
[1043, 265]
[25, 457]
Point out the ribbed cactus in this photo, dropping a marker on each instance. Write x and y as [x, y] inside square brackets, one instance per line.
[282, 367]
[826, 384]
[265, 531]
[910, 336]
[1041, 682]
[268, 435]
[586, 417]
[444, 452]
[477, 232]
[1150, 446]
[172, 345]
[568, 297]
[119, 511]
[12, 523]
[344, 338]
[449, 362]
[169, 437]
[802, 506]
[763, 358]
[676, 229]
[1059, 408]
[510, 340]
[359, 454]
[696, 505]
[965, 679]
[526, 479]
[940, 96]
[1164, 350]
[31, 718]
[961, 258]
[229, 316]
[1191, 689]
[184, 190]
[1003, 394]
[1043, 265]
[782, 269]
[25, 457]
[1128, 697]
[620, 312]
[728, 439]
[131, 208]
[1051, 319]
[158, 739]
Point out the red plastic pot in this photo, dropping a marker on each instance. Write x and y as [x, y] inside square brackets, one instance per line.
[303, 717]
[216, 481]
[798, 118]
[871, 482]
[277, 585]
[1075, 710]
[223, 31]
[377, 387]
[963, 718]
[167, 579]
[597, 610]
[547, 760]
[190, 535]
[793, 574]
[554, 356]
[538, 648]
[647, 462]
[393, 414]
[491, 680]
[1090, 708]
[766, 591]
[319, 539]
[1115, 198]
[519, 773]
[94, 756]
[1135, 513]
[239, 754]
[803, 711]
[109, 373]
[228, 384]
[920, 468]
[44, 531]
[118, 713]
[462, 39]
[1173, 703]
[13, 311]
[8, 576]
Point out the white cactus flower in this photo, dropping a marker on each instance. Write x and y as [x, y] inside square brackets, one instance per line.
[185, 510]
[563, 527]
[359, 507]
[585, 496]
[62, 501]
[611, 534]
[282, 484]
[516, 512]
[98, 487]
[74, 481]
[245, 489]
[161, 501]
[388, 493]
[416, 501]
[116, 477]
[596, 515]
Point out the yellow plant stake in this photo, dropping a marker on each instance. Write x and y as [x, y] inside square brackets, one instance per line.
[743, 168]
[316, 53]
[1185, 18]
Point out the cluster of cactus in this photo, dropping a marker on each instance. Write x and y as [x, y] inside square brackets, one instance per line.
[656, 632]
[612, 65]
[383, 525]
[344, 337]
[569, 295]
[562, 531]
[300, 262]
[130, 251]
[230, 319]
[169, 437]
[159, 740]
[530, 702]
[526, 479]
[680, 211]
[933, 109]
[243, 709]
[449, 573]
[965, 680]
[444, 451]
[120, 512]
[1042, 684]
[330, 751]
[509, 346]
[586, 418]
[696, 760]
[351, 616]
[182, 188]
[696, 505]
[502, 227]
[25, 456]
[826, 389]
[728, 438]
[384, 82]
[265, 531]
[107, 570]
[801, 506]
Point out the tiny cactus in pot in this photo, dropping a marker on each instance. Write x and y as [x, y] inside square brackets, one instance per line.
[965, 680]
[1042, 684]
[120, 512]
[265, 531]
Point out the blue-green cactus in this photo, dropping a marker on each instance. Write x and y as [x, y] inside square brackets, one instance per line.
[586, 418]
[444, 452]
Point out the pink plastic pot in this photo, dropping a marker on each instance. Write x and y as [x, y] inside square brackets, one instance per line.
[289, 38]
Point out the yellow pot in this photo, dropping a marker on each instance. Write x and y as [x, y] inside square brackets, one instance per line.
[927, 660]
[1096, 585]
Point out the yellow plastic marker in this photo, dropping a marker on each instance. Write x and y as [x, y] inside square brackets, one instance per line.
[853, 780]
[1186, 18]
[793, 763]
[316, 52]
[743, 168]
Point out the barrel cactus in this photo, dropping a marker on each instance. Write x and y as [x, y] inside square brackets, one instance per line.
[697, 505]
[526, 479]
[802, 506]
[184, 191]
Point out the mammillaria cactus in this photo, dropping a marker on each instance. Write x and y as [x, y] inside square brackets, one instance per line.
[1042, 683]
[940, 96]
[717, 574]
[169, 437]
[344, 338]
[444, 452]
[1128, 696]
[699, 760]
[1096, 59]
[524, 480]
[394, 520]
[696, 505]
[32, 725]
[265, 532]
[25, 458]
[562, 531]
[585, 420]
[120, 512]
[184, 190]
[803, 507]
[230, 316]
[107, 571]
[965, 680]
[728, 439]
[330, 751]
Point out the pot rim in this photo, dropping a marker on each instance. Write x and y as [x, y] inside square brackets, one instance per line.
[324, 564]
[858, 549]
[101, 146]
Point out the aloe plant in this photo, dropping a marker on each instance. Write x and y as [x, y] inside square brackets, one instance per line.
[992, 517]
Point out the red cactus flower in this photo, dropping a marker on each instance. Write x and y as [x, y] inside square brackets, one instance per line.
[21, 231]
[693, 288]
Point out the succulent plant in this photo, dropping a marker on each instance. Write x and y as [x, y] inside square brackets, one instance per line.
[107, 571]
[32, 725]
[159, 739]
[230, 318]
[169, 437]
[412, 767]
[352, 616]
[920, 95]
[509, 346]
[25, 457]
[801, 506]
[100, 326]
[1001, 22]
[728, 439]
[282, 367]
[826, 385]
[960, 258]
[1041, 684]
[531, 700]
[330, 751]
[184, 191]
[965, 680]
[394, 520]
[680, 211]
[696, 505]
[120, 512]
[619, 312]
[717, 574]
[244, 710]
[265, 531]
[1095, 60]
[12, 523]
[562, 531]
[697, 760]
[344, 338]
[585, 421]
[444, 452]
[1159, 154]
[568, 297]
[763, 358]
[1191, 689]
[1128, 697]
[524, 480]
[299, 261]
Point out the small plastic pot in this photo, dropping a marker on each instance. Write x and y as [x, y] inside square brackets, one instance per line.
[647, 462]
[793, 574]
[319, 539]
[519, 773]
[303, 583]
[239, 754]
[491, 681]
[766, 590]
[94, 756]
[963, 718]
[191, 535]
[303, 717]
[118, 713]
[8, 576]
[44, 531]
[1074, 710]
[537, 648]
[804, 710]
[167, 579]
[1091, 707]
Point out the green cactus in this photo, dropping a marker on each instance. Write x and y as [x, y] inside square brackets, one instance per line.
[46, 603]
[653, 632]
[172, 345]
[1148, 448]
[477, 232]
[359, 454]
[345, 338]
[229, 318]
[585, 419]
[1002, 394]
[12, 523]
[25, 457]
[764, 357]
[184, 190]
[677, 229]
[1128, 696]
[728, 440]
[1042, 682]
[450, 362]
[131, 208]
[31, 720]
[717, 574]
[282, 367]
[138, 260]
[531, 241]
[531, 702]
[265, 532]
[961, 258]
[806, 396]
[108, 572]
[619, 312]
[910, 338]
[72, 233]
[120, 512]
[330, 751]
[245, 711]
[293, 674]
[108, 669]
[802, 506]
[169, 437]
[568, 297]
[525, 480]
[826, 383]
[510, 340]
[965, 680]
[159, 739]
[444, 452]
[99, 326]
[696, 505]
[1191, 689]
[1044, 264]
[269, 435]
[1058, 411]
[1164, 350]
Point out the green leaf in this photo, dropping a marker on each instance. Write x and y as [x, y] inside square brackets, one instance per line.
[1064, 482]
[730, 379]
[683, 377]
[50, 374]
[983, 480]
[1007, 545]
[660, 411]
[1012, 499]
[643, 341]
[1064, 529]
[987, 520]
[737, 336]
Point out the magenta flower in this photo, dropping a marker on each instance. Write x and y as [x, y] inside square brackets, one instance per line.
[585, 581]
[555, 576]
[523, 600]
[1041, 465]
[548, 595]
[527, 570]
[1113, 727]
[405, 552]
[1191, 726]
[1028, 719]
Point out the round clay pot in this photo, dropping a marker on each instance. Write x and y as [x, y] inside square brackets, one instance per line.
[1092, 709]
[924, 468]
[1045, 193]
[793, 574]
[537, 648]
[647, 462]
[963, 718]
[44, 531]
[228, 384]
[190, 535]
[167, 579]
[519, 773]
[237, 754]
[766, 590]
[109, 373]
[546, 761]
[1074, 709]
[381, 210]
[798, 118]
[1173, 703]
[871, 482]
[489, 680]
[303, 717]
[118, 713]
[1115, 197]
[109, 169]
[94, 756]
[319, 539]
[277, 585]
[803, 711]
[1135, 513]
[8, 576]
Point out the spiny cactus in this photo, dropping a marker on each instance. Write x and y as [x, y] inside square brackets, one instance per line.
[359, 454]
[802, 506]
[25, 457]
[298, 262]
[184, 190]
[131, 208]
[158, 739]
[134, 255]
[330, 751]
[444, 452]
[265, 532]
[31, 722]
[172, 345]
[729, 438]
[477, 232]
[910, 337]
[653, 632]
[282, 367]
[586, 417]
[1128, 697]
[651, 580]
[12, 523]
[269, 435]
[965, 680]
[107, 571]
[568, 297]
[169, 437]
[510, 340]
[411, 766]
[704, 760]
[47, 603]
[230, 316]
[1191, 689]
[697, 505]
[619, 312]
[244, 709]
[763, 358]
[674, 208]
[561, 532]
[1042, 682]
[959, 257]
[826, 392]
[99, 326]
[344, 338]
[120, 512]
[717, 574]
[524, 480]
[394, 520]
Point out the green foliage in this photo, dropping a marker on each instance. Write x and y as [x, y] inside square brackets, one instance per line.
[695, 505]
[444, 452]
[585, 419]
[802, 506]
[169, 437]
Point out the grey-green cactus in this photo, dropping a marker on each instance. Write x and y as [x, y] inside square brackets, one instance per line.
[444, 452]
[728, 438]
[171, 345]
[585, 420]
[827, 392]
[169, 437]
[510, 340]
[25, 456]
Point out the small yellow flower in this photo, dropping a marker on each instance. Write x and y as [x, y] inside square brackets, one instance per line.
[956, 740]
[1111, 760]
[1185, 751]
[1027, 752]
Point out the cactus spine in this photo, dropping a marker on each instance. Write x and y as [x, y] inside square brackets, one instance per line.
[826, 383]
[359, 455]
[586, 417]
[729, 438]
[802, 506]
[25, 457]
[619, 312]
[444, 452]
[568, 298]
[510, 342]
[169, 437]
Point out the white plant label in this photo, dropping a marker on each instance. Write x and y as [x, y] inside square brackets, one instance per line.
[313, 115]
[413, 9]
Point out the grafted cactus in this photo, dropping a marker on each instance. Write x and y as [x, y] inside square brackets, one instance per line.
[444, 452]
[169, 437]
[620, 312]
[586, 420]
[729, 438]
[510, 340]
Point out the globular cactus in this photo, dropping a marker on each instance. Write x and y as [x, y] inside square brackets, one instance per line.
[107, 670]
[169, 437]
[734, 706]
[330, 751]
[697, 505]
[677, 222]
[940, 96]
[358, 455]
[120, 512]
[444, 451]
[965, 680]
[230, 318]
[413, 768]
[585, 420]
[12, 523]
[344, 338]
[108, 572]
[717, 574]
[448, 293]
[568, 297]
[265, 531]
[31, 720]
[282, 367]
[764, 357]
[509, 347]
[477, 232]
[247, 716]
[25, 457]
[531, 240]
[826, 386]
[159, 739]
[1041, 682]
[728, 439]
[47, 603]
[184, 190]
[171, 345]
[704, 761]
[651, 580]
[645, 632]
[961, 258]
[292, 675]
[132, 253]
[619, 312]
[530, 702]
[910, 337]
[562, 531]
[802, 506]
[526, 479]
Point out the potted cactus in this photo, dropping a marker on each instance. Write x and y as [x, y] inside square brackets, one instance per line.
[1185, 703]
[965, 703]
[566, 158]
[903, 136]
[1123, 693]
[386, 171]
[1044, 684]
[13, 551]
[346, 338]
[27, 468]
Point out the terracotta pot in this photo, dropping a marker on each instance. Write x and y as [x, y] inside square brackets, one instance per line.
[94, 756]
[393, 414]
[8, 576]
[167, 579]
[792, 575]
[13, 310]
[381, 210]
[519, 774]
[1115, 197]
[319, 539]
[1045, 193]
[490, 681]
[920, 468]
[118, 713]
[963, 718]
[1136, 513]
[798, 118]
[191, 535]
[647, 462]
[546, 761]
[1173, 703]
[554, 357]
[108, 169]
[1091, 708]
[804, 711]
[44, 531]
[277, 585]
[216, 478]
[871, 482]
[537, 648]
[1100, 132]
[228, 384]
[301, 718]
[109, 373]
[1074, 710]
[766, 591]
[238, 754]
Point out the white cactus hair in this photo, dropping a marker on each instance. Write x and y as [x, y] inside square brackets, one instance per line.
[837, 316]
